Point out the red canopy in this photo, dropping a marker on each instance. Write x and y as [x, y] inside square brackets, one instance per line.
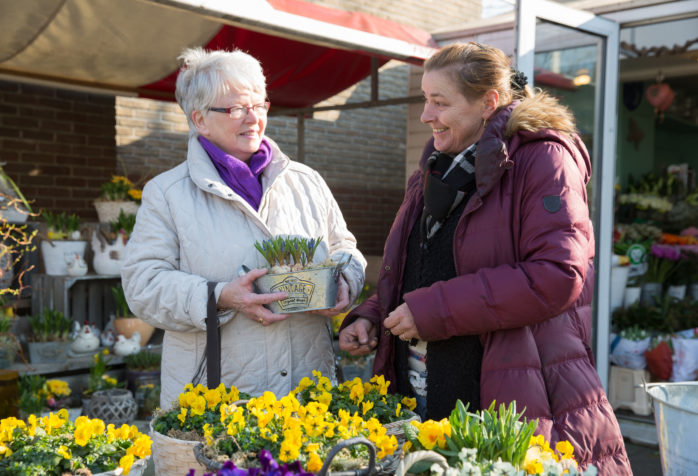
[301, 74]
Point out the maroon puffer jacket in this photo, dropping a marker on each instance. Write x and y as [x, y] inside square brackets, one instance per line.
[523, 251]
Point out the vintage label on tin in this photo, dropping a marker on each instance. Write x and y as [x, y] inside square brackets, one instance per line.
[299, 292]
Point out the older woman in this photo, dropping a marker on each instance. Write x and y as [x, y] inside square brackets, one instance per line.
[198, 223]
[486, 285]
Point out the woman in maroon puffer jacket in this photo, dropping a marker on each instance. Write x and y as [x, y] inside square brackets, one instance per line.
[486, 285]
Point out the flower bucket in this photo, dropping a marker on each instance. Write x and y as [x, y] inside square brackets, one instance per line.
[108, 211]
[619, 278]
[56, 253]
[173, 457]
[676, 418]
[308, 290]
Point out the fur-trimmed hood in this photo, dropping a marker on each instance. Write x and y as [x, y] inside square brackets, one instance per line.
[540, 118]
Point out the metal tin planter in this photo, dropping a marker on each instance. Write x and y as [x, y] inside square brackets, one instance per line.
[308, 290]
[47, 352]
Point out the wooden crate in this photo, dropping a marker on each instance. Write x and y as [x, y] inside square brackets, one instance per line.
[83, 298]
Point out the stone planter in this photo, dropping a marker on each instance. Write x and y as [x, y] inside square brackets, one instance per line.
[115, 405]
[108, 211]
[57, 254]
[47, 352]
[128, 325]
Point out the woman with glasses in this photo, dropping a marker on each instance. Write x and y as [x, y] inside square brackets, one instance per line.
[198, 223]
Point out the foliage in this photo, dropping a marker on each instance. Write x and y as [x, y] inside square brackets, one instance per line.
[36, 393]
[98, 379]
[662, 262]
[267, 467]
[143, 361]
[120, 188]
[49, 326]
[61, 226]
[8, 186]
[124, 224]
[667, 316]
[489, 442]
[52, 446]
[370, 399]
[641, 233]
[122, 309]
[282, 251]
[634, 333]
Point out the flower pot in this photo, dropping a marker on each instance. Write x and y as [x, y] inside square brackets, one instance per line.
[137, 469]
[171, 455]
[651, 293]
[108, 258]
[677, 291]
[308, 290]
[632, 295]
[619, 278]
[693, 291]
[47, 352]
[128, 325]
[115, 405]
[56, 254]
[108, 211]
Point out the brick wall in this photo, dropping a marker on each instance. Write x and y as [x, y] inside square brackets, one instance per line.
[57, 145]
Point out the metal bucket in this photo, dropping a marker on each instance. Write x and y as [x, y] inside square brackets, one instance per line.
[676, 418]
[308, 290]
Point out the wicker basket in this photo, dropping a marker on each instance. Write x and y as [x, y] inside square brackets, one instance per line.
[396, 427]
[137, 469]
[173, 457]
[412, 458]
[115, 406]
[108, 211]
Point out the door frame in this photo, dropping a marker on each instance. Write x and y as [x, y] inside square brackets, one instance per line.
[606, 118]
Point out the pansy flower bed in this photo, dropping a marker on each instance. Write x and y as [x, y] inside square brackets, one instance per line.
[53, 446]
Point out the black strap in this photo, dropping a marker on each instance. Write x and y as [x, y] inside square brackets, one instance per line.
[213, 340]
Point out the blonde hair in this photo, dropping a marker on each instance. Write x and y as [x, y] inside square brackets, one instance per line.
[206, 76]
[476, 68]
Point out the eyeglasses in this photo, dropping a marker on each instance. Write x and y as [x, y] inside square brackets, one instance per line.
[238, 112]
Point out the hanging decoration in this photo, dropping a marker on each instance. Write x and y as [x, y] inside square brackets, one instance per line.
[660, 96]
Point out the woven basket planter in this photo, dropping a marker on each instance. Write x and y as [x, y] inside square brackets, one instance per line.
[173, 457]
[115, 405]
[108, 211]
[396, 427]
[137, 469]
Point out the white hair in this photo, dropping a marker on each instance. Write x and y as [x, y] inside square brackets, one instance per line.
[206, 76]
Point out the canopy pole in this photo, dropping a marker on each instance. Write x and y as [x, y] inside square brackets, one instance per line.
[300, 138]
[374, 79]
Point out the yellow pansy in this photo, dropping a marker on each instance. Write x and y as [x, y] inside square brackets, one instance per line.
[65, 452]
[410, 403]
[125, 463]
[366, 407]
[314, 463]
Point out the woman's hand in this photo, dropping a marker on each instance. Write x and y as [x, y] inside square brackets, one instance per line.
[238, 295]
[359, 338]
[342, 300]
[401, 323]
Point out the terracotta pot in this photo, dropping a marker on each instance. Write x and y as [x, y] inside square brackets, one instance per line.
[128, 325]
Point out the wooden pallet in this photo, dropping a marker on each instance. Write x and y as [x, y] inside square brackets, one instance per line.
[83, 298]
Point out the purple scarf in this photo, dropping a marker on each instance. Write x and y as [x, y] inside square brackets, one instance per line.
[242, 177]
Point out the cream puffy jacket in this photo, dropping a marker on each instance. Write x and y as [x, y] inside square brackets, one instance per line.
[192, 228]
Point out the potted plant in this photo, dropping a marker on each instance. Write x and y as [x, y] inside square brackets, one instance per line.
[109, 244]
[117, 195]
[661, 264]
[54, 446]
[63, 245]
[310, 286]
[125, 322]
[40, 396]
[143, 366]
[14, 207]
[49, 334]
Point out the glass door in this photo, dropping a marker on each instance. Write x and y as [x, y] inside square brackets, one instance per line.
[573, 54]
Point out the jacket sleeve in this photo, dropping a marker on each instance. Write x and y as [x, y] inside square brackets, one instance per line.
[554, 240]
[156, 290]
[341, 241]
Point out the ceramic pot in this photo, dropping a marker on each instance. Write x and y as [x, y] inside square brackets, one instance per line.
[56, 253]
[128, 325]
